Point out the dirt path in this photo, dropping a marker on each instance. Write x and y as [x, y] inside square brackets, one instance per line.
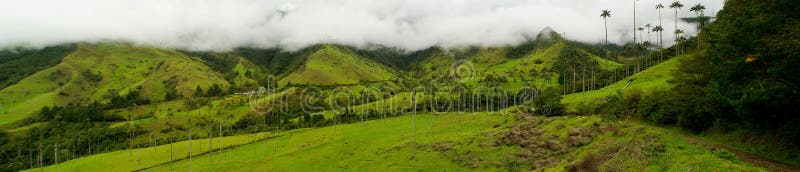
[746, 157]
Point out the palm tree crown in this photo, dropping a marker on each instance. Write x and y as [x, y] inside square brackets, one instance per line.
[679, 31]
[605, 14]
[659, 6]
[676, 4]
[658, 29]
[698, 8]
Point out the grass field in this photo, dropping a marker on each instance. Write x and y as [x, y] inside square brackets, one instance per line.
[446, 142]
[137, 159]
[373, 145]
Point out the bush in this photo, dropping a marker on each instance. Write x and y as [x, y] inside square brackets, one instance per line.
[549, 102]
[91, 76]
[133, 97]
[658, 107]
[724, 154]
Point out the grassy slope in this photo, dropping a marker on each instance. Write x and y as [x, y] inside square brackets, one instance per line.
[381, 144]
[457, 142]
[392, 105]
[606, 64]
[241, 69]
[129, 160]
[654, 77]
[527, 65]
[332, 66]
[439, 63]
[122, 66]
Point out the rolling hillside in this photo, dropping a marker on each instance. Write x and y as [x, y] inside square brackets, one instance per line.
[331, 65]
[95, 71]
[651, 78]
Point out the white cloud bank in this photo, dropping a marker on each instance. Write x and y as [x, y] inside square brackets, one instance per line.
[220, 25]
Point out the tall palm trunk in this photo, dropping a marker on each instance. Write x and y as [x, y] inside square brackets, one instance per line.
[605, 24]
[635, 52]
[660, 38]
[676, 34]
[699, 27]
[647, 62]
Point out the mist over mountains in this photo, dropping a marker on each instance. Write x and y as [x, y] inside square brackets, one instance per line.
[293, 24]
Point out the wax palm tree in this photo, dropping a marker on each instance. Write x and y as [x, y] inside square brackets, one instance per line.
[634, 24]
[647, 43]
[677, 6]
[698, 10]
[647, 28]
[660, 42]
[635, 45]
[659, 29]
[678, 40]
[659, 7]
[605, 15]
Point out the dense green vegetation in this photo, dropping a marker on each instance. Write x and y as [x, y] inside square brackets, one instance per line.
[20, 63]
[745, 82]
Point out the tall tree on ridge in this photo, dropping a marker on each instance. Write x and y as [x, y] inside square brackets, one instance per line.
[678, 39]
[660, 30]
[635, 52]
[647, 43]
[698, 10]
[677, 6]
[638, 60]
[605, 15]
[660, 33]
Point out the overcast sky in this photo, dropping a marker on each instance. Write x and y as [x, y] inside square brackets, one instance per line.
[220, 25]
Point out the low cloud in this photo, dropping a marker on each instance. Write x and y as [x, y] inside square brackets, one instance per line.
[409, 24]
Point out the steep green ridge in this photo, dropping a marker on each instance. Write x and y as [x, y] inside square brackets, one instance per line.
[535, 62]
[94, 71]
[653, 77]
[440, 64]
[332, 65]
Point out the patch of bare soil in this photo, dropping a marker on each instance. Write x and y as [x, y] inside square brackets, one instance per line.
[540, 149]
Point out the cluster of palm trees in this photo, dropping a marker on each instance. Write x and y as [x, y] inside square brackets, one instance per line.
[696, 9]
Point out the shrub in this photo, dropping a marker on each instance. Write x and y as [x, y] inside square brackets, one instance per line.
[724, 154]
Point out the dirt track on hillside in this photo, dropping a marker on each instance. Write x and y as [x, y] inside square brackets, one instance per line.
[747, 157]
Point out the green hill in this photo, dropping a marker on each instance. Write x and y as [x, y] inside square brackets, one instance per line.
[94, 72]
[331, 65]
[651, 78]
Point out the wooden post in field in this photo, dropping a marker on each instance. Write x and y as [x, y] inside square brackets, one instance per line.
[190, 142]
[414, 123]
